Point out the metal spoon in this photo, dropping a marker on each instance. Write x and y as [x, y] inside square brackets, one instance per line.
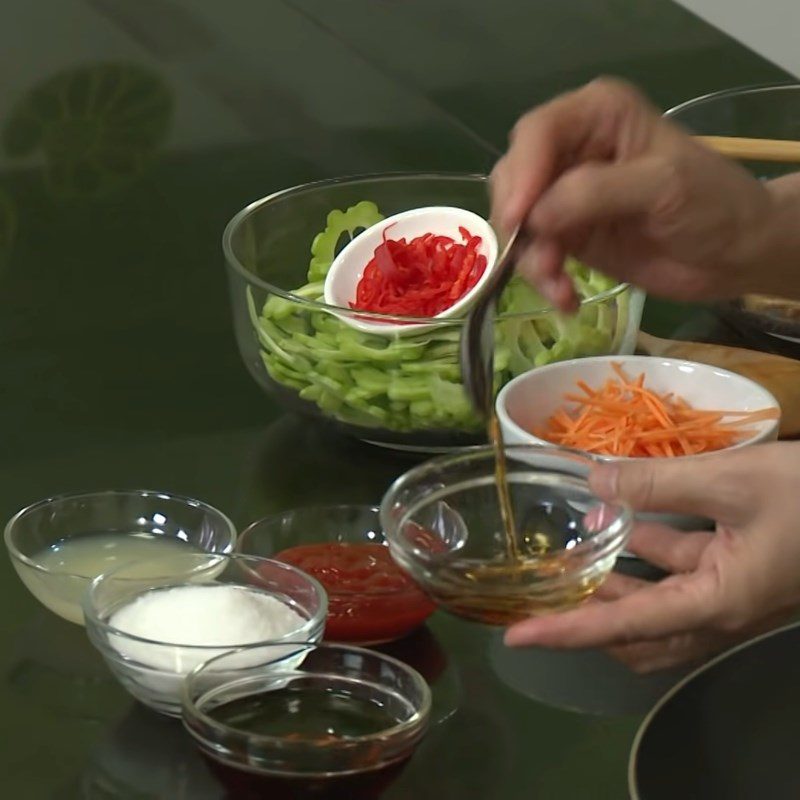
[477, 335]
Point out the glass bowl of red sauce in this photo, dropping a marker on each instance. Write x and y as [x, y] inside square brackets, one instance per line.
[371, 600]
[330, 722]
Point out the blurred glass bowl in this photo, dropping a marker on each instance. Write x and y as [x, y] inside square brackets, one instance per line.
[403, 392]
[442, 521]
[759, 112]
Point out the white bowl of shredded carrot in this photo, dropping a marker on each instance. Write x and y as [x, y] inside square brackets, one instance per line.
[632, 407]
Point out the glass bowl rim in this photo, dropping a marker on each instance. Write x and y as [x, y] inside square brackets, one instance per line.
[17, 554]
[416, 722]
[94, 622]
[619, 527]
[736, 91]
[275, 518]
[315, 305]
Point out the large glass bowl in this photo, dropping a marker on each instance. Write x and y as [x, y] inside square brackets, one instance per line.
[400, 391]
[759, 112]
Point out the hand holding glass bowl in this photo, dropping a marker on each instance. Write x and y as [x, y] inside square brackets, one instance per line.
[404, 390]
[442, 521]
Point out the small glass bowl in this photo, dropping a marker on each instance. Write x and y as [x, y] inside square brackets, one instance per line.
[442, 521]
[308, 761]
[38, 529]
[152, 670]
[372, 616]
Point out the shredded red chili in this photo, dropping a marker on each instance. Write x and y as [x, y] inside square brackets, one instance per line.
[420, 278]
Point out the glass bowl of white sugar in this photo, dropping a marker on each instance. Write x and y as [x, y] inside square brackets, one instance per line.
[153, 631]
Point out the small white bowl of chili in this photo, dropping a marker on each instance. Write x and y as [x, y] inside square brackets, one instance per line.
[423, 264]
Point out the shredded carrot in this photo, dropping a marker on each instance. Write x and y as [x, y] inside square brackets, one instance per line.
[624, 418]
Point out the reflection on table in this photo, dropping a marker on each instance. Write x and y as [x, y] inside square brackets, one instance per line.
[147, 756]
[55, 667]
[585, 681]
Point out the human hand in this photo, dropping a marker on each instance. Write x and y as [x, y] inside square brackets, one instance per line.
[599, 174]
[724, 586]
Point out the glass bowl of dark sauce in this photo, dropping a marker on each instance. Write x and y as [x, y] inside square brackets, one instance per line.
[327, 722]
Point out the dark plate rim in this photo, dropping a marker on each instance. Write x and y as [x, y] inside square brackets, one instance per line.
[679, 686]
[771, 324]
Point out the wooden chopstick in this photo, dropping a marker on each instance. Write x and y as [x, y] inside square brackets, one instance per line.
[782, 150]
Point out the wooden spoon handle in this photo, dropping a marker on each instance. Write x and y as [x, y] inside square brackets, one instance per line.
[781, 150]
[777, 374]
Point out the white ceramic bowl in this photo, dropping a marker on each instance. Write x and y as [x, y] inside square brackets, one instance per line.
[348, 267]
[530, 399]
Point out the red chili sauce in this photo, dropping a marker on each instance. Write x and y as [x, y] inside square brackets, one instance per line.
[370, 598]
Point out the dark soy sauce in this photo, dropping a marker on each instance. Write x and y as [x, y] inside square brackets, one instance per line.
[318, 715]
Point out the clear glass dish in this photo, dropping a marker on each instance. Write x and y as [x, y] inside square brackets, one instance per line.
[293, 755]
[758, 112]
[384, 610]
[442, 521]
[152, 670]
[36, 533]
[403, 391]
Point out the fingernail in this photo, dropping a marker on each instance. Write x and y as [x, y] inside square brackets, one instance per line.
[510, 639]
[604, 481]
[560, 293]
[569, 298]
[507, 222]
[516, 638]
[598, 518]
[526, 266]
[541, 217]
[549, 288]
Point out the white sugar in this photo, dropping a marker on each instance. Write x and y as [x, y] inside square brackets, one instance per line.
[192, 624]
[210, 615]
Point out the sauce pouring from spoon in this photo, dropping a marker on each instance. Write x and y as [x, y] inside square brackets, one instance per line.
[477, 371]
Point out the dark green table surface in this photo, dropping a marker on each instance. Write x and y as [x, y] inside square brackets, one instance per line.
[119, 367]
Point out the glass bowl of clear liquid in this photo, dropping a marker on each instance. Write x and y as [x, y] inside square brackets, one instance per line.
[59, 545]
[551, 550]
